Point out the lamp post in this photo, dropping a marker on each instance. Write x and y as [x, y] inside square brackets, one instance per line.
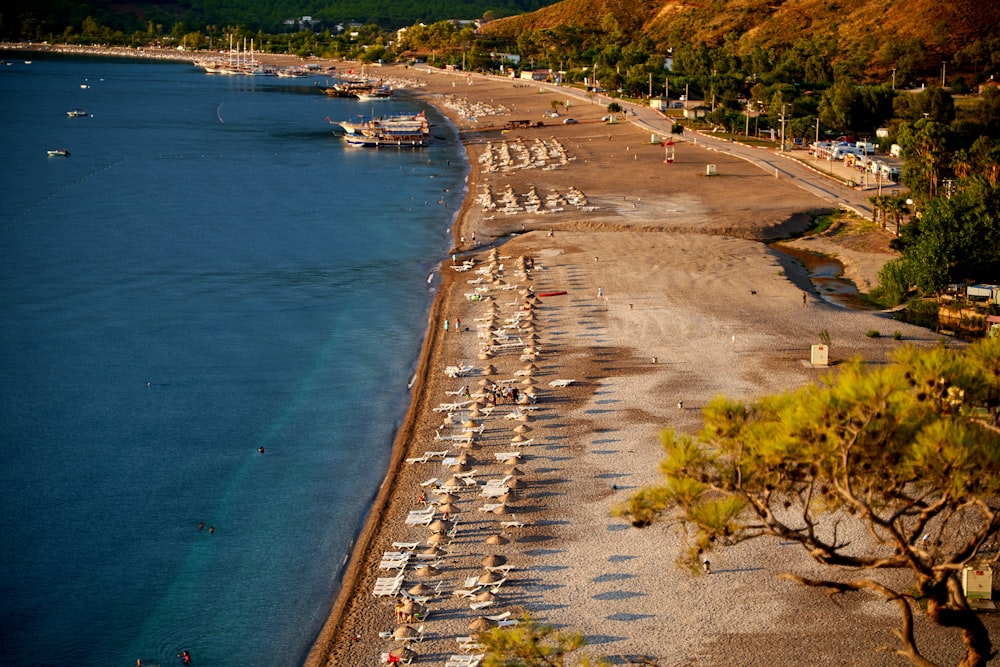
[894, 78]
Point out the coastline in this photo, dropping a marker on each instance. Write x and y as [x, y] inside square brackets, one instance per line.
[691, 305]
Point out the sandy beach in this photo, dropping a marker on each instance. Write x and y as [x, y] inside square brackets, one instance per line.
[662, 294]
[671, 297]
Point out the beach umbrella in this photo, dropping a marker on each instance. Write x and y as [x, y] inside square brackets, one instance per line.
[405, 631]
[484, 382]
[485, 354]
[486, 596]
[522, 428]
[469, 424]
[497, 540]
[437, 538]
[426, 570]
[459, 467]
[469, 444]
[447, 498]
[454, 482]
[475, 412]
[489, 578]
[479, 625]
[439, 526]
[403, 653]
[500, 509]
[420, 589]
[447, 508]
[512, 470]
[514, 483]
[493, 560]
[489, 369]
[517, 439]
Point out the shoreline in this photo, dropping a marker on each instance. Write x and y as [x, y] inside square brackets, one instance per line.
[689, 304]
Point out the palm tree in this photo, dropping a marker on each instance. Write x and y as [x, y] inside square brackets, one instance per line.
[878, 206]
[894, 207]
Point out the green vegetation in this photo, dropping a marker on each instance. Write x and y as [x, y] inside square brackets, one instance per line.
[905, 458]
[532, 644]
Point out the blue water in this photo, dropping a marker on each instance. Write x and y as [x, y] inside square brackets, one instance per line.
[210, 272]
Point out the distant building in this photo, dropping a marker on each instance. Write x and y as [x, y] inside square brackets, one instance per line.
[535, 75]
[991, 83]
[507, 57]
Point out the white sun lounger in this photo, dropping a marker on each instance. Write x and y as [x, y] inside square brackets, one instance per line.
[482, 604]
[489, 507]
[494, 491]
[496, 618]
[507, 456]
[430, 482]
[468, 644]
[465, 660]
[514, 522]
[388, 586]
[561, 383]
[507, 623]
[409, 546]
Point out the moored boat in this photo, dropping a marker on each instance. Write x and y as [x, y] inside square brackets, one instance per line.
[410, 130]
[59, 152]
[77, 113]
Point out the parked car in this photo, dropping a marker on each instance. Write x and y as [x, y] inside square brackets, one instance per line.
[569, 121]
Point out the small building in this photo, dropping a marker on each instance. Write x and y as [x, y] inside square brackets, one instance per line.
[658, 103]
[535, 74]
[696, 112]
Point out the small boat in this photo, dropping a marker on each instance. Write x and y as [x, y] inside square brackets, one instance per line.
[372, 94]
[77, 113]
[59, 152]
[399, 131]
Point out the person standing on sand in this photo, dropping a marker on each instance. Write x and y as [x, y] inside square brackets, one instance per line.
[458, 324]
[804, 297]
[446, 324]
[600, 292]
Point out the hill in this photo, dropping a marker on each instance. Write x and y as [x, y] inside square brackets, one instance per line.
[942, 27]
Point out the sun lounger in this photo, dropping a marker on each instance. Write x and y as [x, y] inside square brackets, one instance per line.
[505, 569]
[452, 407]
[469, 644]
[482, 604]
[409, 546]
[496, 618]
[465, 592]
[388, 586]
[494, 491]
[465, 660]
[514, 522]
[507, 456]
[389, 659]
[507, 623]
[561, 383]
[394, 562]
[489, 507]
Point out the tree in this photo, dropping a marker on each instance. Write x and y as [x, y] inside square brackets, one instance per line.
[956, 238]
[898, 450]
[530, 644]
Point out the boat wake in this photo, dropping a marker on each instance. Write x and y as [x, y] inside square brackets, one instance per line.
[218, 113]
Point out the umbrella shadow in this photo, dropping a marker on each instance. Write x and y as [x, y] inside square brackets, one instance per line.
[614, 576]
[619, 595]
[628, 618]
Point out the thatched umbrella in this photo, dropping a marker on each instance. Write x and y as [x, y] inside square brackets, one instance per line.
[447, 508]
[454, 482]
[489, 369]
[420, 589]
[427, 570]
[517, 438]
[436, 538]
[485, 354]
[489, 578]
[484, 382]
[513, 484]
[493, 560]
[459, 467]
[405, 631]
[447, 498]
[486, 596]
[500, 509]
[432, 550]
[475, 412]
[479, 625]
[439, 526]
[512, 470]
[497, 540]
[522, 428]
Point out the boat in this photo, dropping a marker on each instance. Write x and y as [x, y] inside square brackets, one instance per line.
[59, 152]
[77, 113]
[372, 94]
[410, 130]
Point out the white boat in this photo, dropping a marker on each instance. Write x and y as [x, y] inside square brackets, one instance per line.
[410, 130]
[77, 113]
[59, 152]
[372, 94]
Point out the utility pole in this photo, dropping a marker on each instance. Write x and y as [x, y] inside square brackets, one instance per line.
[816, 145]
[783, 128]
[667, 94]
[944, 67]
[650, 85]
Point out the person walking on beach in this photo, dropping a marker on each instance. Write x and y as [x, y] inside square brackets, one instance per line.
[458, 324]
[446, 324]
[600, 292]
[804, 297]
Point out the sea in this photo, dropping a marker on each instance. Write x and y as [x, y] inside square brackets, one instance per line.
[210, 316]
